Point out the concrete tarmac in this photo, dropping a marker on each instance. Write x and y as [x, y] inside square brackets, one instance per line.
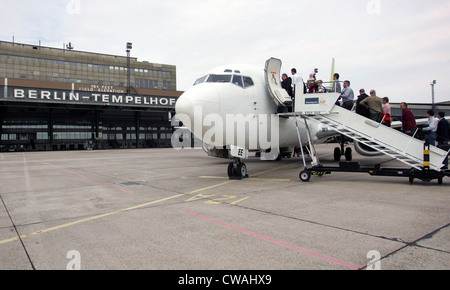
[163, 209]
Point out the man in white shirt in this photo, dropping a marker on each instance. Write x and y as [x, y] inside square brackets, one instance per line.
[297, 80]
[431, 128]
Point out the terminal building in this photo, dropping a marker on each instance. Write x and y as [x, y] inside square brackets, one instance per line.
[62, 99]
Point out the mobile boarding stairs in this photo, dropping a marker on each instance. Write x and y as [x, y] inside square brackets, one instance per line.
[425, 162]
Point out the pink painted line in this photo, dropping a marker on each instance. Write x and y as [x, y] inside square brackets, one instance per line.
[90, 178]
[279, 243]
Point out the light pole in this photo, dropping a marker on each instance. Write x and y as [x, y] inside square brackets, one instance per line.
[129, 47]
[432, 93]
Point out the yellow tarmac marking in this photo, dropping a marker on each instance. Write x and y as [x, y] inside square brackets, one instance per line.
[257, 174]
[237, 201]
[209, 187]
[274, 169]
[139, 206]
[270, 179]
[88, 219]
[109, 214]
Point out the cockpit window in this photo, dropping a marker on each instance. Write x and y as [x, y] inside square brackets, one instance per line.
[248, 82]
[237, 80]
[241, 81]
[200, 80]
[219, 79]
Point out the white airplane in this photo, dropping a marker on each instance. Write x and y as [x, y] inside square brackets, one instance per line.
[234, 110]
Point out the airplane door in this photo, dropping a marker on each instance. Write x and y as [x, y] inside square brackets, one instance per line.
[273, 82]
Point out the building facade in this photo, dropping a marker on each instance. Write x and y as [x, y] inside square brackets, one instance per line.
[420, 110]
[60, 99]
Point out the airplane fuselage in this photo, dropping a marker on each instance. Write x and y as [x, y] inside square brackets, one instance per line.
[231, 106]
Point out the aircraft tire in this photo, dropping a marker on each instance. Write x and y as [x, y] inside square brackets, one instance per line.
[241, 170]
[337, 154]
[231, 170]
[348, 154]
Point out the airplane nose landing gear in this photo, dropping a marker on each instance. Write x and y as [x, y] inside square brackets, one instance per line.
[237, 170]
[338, 152]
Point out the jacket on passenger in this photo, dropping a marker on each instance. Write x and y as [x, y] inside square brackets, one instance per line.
[408, 120]
[443, 131]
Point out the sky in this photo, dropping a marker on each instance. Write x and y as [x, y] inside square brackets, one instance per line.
[397, 47]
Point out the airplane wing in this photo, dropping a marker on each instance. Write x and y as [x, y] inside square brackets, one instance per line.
[398, 124]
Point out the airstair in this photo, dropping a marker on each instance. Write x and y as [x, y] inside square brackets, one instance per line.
[383, 139]
[426, 162]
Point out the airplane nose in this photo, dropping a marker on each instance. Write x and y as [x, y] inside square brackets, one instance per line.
[185, 111]
[184, 105]
[196, 103]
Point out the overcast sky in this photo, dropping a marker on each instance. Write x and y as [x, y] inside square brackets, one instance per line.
[396, 47]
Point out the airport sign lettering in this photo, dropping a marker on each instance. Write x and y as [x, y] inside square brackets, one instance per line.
[100, 89]
[98, 98]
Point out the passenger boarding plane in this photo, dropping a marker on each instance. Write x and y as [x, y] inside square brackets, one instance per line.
[234, 109]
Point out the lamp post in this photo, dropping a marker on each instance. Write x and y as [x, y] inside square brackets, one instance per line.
[137, 115]
[129, 47]
[432, 93]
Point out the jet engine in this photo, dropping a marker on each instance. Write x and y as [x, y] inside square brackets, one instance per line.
[365, 150]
